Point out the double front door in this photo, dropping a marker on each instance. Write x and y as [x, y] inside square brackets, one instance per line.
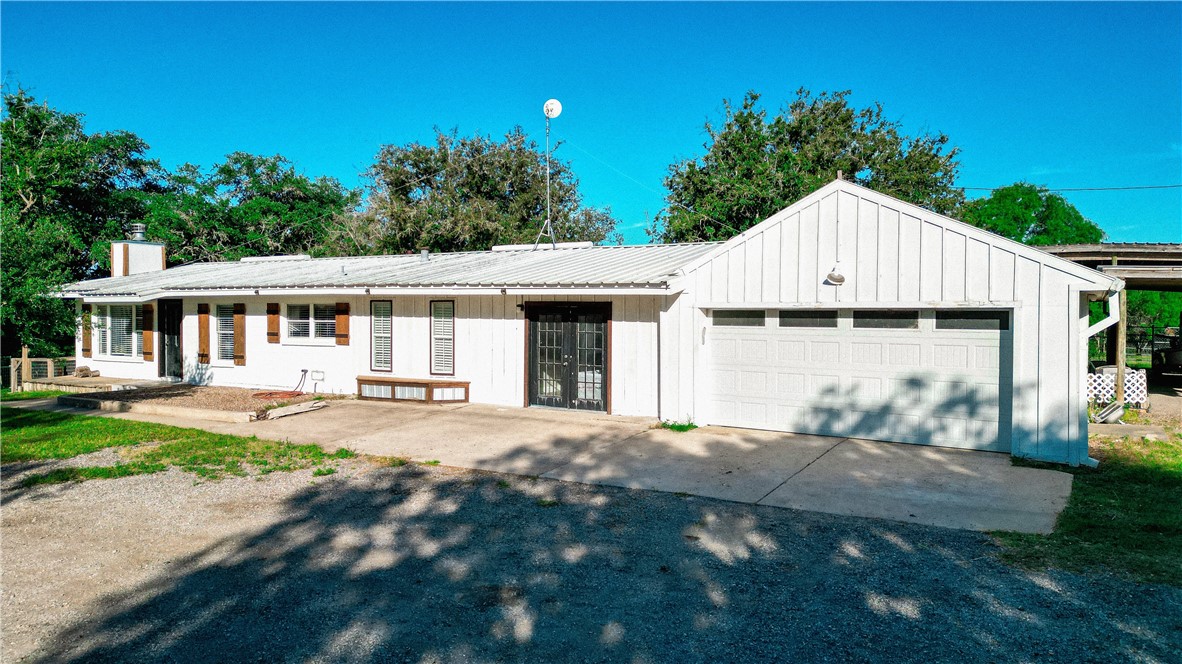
[568, 353]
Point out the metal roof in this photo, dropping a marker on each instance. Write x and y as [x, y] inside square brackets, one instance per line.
[636, 266]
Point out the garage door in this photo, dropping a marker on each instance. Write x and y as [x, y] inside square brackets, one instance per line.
[925, 377]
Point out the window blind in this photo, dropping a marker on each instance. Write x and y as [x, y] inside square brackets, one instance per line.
[225, 331]
[325, 319]
[101, 325]
[298, 324]
[122, 324]
[139, 330]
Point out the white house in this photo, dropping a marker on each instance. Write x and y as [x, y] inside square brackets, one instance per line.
[849, 313]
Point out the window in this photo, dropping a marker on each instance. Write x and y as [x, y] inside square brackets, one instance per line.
[742, 318]
[306, 321]
[324, 321]
[972, 320]
[124, 336]
[99, 324]
[225, 331]
[139, 330]
[443, 337]
[298, 324]
[808, 319]
[381, 335]
[897, 320]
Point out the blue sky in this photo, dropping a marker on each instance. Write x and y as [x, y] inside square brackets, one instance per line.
[1064, 95]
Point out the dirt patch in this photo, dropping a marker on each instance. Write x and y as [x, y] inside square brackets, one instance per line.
[233, 399]
[418, 563]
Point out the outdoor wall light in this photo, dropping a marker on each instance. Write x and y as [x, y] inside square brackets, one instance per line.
[835, 277]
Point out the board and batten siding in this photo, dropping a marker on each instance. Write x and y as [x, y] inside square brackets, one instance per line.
[893, 254]
[490, 346]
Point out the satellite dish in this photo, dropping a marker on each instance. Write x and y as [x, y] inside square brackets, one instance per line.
[552, 109]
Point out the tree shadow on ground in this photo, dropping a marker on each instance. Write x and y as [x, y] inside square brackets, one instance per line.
[435, 564]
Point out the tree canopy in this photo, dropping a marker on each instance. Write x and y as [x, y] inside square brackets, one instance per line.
[755, 165]
[247, 205]
[1154, 308]
[67, 194]
[64, 194]
[464, 194]
[1032, 215]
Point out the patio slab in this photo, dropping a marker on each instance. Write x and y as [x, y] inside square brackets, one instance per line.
[912, 483]
[930, 485]
[522, 441]
[742, 465]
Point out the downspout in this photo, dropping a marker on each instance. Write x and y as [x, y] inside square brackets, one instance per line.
[1108, 321]
[1113, 316]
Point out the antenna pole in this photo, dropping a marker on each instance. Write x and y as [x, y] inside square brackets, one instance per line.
[547, 229]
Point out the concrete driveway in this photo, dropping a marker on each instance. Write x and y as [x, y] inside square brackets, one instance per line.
[926, 485]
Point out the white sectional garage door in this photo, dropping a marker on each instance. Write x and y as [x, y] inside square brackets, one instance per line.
[924, 377]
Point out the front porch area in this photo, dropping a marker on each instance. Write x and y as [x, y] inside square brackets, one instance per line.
[77, 385]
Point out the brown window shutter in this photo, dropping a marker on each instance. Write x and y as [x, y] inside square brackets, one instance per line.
[149, 323]
[342, 323]
[163, 259]
[203, 334]
[240, 334]
[126, 260]
[272, 322]
[86, 330]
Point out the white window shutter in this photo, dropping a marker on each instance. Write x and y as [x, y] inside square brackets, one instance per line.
[443, 337]
[381, 347]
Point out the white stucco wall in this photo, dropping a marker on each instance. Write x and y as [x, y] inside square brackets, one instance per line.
[134, 368]
[141, 257]
[276, 365]
[490, 348]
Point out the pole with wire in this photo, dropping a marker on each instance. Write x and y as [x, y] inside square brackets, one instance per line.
[552, 109]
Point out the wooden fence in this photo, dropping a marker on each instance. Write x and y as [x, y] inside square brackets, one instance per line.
[25, 368]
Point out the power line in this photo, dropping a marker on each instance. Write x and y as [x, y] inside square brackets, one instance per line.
[1131, 188]
[644, 186]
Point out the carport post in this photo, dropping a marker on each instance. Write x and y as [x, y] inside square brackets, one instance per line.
[1110, 338]
[1122, 328]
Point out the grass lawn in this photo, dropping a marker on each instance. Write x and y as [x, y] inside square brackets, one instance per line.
[8, 395]
[30, 435]
[1124, 517]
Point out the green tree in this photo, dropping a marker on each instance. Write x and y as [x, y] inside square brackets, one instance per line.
[755, 166]
[64, 194]
[246, 206]
[1032, 215]
[1154, 308]
[465, 194]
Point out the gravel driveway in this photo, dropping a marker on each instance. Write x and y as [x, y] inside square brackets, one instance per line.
[435, 564]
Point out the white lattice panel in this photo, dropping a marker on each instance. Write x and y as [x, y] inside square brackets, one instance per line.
[1102, 387]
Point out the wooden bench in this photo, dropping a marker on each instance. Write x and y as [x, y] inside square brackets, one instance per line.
[422, 390]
